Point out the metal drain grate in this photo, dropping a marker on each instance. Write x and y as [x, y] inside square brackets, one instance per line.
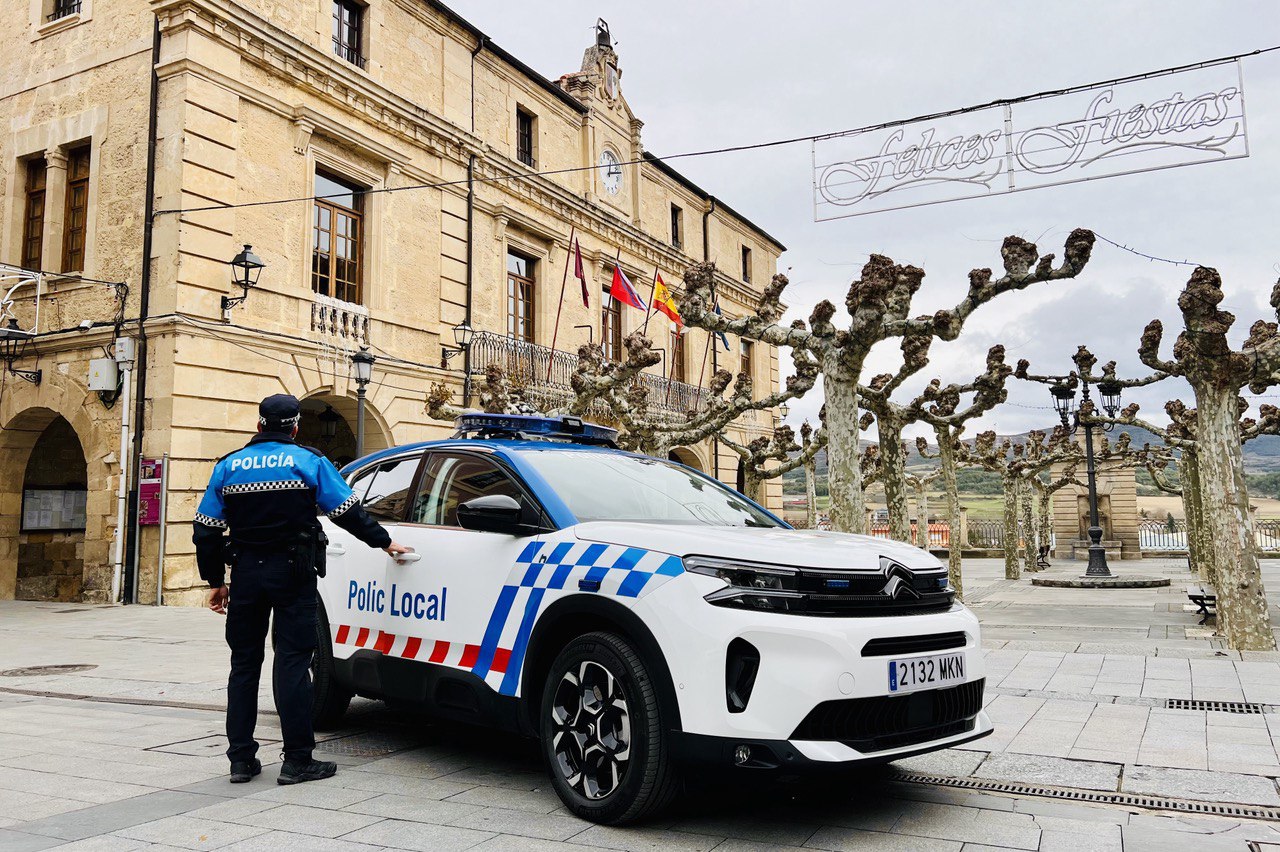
[369, 744]
[1155, 803]
[43, 671]
[1216, 706]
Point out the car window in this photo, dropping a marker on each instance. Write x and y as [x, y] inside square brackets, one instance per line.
[604, 486]
[389, 486]
[451, 480]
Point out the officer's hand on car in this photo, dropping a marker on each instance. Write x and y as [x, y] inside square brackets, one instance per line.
[218, 599]
[394, 549]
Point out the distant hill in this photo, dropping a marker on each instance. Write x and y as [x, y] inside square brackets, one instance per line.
[1261, 456]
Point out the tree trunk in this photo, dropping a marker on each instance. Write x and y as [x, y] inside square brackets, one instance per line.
[922, 515]
[1199, 549]
[810, 495]
[1026, 502]
[1242, 603]
[950, 488]
[844, 475]
[893, 466]
[1044, 528]
[1012, 568]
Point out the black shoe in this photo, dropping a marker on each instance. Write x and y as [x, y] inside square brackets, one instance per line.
[313, 770]
[243, 770]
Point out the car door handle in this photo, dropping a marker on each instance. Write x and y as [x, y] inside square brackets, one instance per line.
[404, 558]
[335, 550]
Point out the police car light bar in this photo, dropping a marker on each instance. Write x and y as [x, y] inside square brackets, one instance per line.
[532, 427]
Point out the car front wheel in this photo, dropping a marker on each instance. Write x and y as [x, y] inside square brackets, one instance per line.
[602, 732]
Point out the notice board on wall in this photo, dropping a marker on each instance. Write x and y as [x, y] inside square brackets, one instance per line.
[53, 509]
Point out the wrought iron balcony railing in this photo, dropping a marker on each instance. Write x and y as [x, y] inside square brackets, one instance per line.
[547, 372]
[63, 8]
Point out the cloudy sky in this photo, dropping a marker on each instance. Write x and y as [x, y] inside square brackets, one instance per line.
[718, 73]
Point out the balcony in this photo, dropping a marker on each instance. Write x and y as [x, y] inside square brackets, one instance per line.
[546, 374]
[346, 321]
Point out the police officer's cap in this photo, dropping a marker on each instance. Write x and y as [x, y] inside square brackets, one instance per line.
[279, 411]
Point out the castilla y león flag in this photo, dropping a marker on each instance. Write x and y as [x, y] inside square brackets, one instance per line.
[622, 290]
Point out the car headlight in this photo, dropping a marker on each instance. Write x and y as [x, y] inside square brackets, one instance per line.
[750, 586]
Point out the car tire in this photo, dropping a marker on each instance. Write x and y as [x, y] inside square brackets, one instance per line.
[603, 732]
[329, 700]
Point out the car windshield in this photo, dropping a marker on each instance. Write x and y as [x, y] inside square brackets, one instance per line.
[598, 486]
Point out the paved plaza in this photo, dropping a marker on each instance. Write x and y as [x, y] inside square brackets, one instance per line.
[1091, 750]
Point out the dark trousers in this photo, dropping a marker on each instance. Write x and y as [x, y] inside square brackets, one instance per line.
[261, 584]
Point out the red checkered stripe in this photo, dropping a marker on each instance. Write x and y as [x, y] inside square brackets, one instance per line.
[454, 654]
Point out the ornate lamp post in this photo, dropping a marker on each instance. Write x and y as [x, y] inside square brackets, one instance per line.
[1064, 396]
[362, 362]
[329, 423]
[463, 334]
[13, 345]
[245, 269]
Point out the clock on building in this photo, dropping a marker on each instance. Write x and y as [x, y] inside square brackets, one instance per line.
[612, 169]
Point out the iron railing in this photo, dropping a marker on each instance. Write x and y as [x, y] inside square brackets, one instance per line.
[548, 372]
[1171, 534]
[62, 9]
[986, 534]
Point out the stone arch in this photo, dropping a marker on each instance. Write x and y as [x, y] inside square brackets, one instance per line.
[687, 456]
[341, 448]
[26, 412]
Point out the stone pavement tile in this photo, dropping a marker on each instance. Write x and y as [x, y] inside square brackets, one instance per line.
[189, 833]
[284, 841]
[1114, 754]
[1047, 737]
[1202, 786]
[948, 796]
[1210, 693]
[105, 818]
[83, 789]
[506, 777]
[523, 823]
[1142, 839]
[1184, 758]
[542, 801]
[734, 845]
[415, 764]
[404, 785]
[1051, 771]
[511, 843]
[853, 840]
[1065, 711]
[419, 836]
[1176, 720]
[866, 813]
[1129, 690]
[970, 825]
[315, 822]
[741, 825]
[95, 768]
[231, 809]
[1071, 811]
[413, 809]
[1099, 839]
[105, 843]
[1165, 689]
[17, 841]
[640, 839]
[29, 806]
[1081, 684]
[316, 794]
[949, 762]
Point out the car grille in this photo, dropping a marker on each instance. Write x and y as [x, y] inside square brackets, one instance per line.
[898, 646]
[854, 594]
[884, 722]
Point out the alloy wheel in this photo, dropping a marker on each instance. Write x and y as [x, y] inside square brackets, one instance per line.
[591, 730]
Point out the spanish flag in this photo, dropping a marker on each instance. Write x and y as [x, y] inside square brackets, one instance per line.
[662, 301]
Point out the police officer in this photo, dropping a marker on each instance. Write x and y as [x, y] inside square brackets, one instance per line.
[266, 496]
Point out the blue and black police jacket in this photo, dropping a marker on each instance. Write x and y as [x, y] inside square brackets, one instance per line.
[266, 495]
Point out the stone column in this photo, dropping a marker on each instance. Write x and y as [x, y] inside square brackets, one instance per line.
[55, 206]
[964, 527]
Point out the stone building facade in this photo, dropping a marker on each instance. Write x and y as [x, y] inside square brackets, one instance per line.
[454, 176]
[1117, 486]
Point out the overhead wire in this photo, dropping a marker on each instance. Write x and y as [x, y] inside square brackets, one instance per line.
[752, 146]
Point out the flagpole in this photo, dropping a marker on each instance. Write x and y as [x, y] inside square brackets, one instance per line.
[564, 280]
[653, 289]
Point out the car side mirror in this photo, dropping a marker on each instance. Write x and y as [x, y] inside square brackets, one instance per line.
[499, 513]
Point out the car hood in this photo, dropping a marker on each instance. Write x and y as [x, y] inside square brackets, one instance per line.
[799, 548]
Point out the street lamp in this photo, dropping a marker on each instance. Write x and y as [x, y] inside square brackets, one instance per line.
[362, 364]
[1064, 401]
[245, 269]
[13, 345]
[463, 334]
[784, 410]
[329, 422]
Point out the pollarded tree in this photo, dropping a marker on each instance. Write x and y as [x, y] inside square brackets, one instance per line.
[943, 411]
[810, 476]
[767, 458]
[919, 483]
[1217, 373]
[879, 308]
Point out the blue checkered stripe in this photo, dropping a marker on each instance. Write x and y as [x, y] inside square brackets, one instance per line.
[551, 567]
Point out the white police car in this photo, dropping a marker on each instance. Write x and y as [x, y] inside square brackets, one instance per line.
[635, 616]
